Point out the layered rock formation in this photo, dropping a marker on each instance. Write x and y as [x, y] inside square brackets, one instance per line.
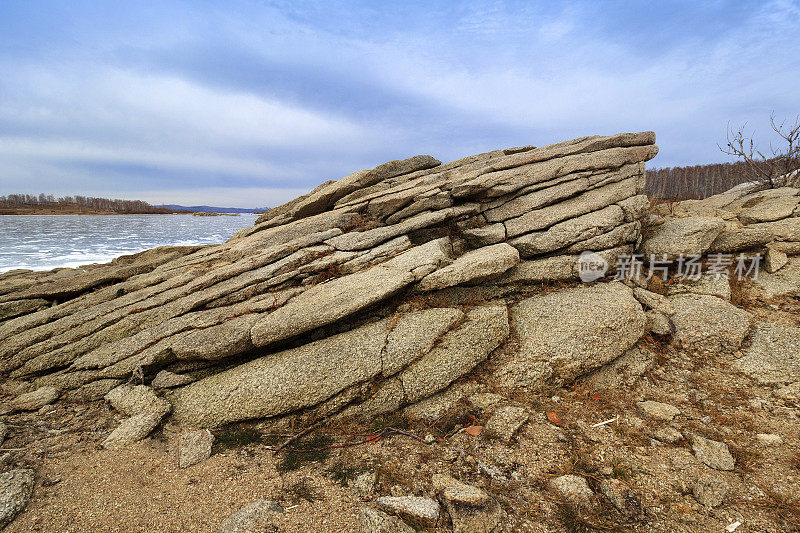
[366, 294]
[749, 240]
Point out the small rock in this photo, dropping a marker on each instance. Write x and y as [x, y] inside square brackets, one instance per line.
[364, 485]
[667, 435]
[652, 300]
[769, 439]
[712, 453]
[756, 403]
[622, 497]
[3, 432]
[658, 410]
[16, 487]
[659, 323]
[167, 380]
[575, 490]
[453, 490]
[789, 392]
[710, 491]
[505, 422]
[433, 409]
[254, 518]
[471, 509]
[774, 260]
[417, 511]
[485, 401]
[493, 472]
[194, 447]
[635, 422]
[132, 429]
[133, 400]
[35, 400]
[374, 521]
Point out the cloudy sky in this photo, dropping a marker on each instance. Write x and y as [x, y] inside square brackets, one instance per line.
[249, 103]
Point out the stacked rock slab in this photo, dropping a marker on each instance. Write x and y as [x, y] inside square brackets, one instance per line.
[318, 303]
[761, 225]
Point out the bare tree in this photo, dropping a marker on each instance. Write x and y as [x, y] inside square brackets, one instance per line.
[782, 167]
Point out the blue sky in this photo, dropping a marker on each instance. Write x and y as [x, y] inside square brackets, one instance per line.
[249, 103]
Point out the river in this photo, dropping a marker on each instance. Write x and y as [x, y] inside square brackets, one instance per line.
[43, 242]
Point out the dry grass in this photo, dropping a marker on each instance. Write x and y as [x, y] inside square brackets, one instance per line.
[330, 272]
[361, 222]
[314, 448]
[746, 455]
[785, 508]
[302, 490]
[794, 461]
[741, 291]
[236, 437]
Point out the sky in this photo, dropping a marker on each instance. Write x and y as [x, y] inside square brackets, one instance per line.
[251, 103]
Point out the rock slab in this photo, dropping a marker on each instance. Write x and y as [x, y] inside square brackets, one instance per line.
[194, 447]
[16, 487]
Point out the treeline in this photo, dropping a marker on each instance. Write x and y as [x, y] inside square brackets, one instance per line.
[87, 203]
[696, 182]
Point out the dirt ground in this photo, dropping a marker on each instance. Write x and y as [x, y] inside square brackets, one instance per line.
[82, 487]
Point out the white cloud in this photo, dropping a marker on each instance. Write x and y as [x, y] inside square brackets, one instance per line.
[113, 116]
[246, 197]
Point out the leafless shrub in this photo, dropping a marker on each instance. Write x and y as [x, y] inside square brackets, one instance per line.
[780, 167]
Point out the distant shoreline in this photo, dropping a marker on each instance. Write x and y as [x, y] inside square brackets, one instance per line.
[74, 211]
[116, 213]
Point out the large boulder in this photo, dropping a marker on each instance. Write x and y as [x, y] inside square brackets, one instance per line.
[773, 356]
[473, 266]
[682, 236]
[708, 325]
[782, 283]
[571, 332]
[312, 373]
[338, 298]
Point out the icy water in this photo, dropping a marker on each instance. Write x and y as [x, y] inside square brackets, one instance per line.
[42, 242]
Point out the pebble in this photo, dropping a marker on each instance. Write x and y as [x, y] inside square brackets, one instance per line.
[658, 410]
[769, 439]
[35, 400]
[505, 422]
[710, 491]
[712, 453]
[575, 490]
[364, 485]
[194, 447]
[418, 511]
[254, 517]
